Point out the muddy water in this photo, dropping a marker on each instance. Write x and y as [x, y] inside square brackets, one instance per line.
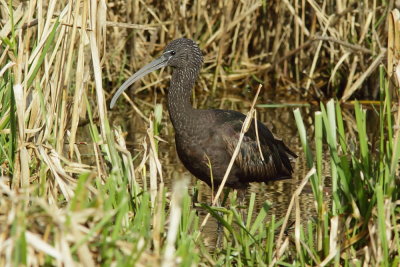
[277, 193]
[279, 120]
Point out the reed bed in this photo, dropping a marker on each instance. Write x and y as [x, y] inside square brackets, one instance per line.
[69, 200]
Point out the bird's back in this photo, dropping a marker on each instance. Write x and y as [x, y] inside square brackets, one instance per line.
[208, 154]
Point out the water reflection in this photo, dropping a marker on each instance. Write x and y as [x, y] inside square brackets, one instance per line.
[278, 193]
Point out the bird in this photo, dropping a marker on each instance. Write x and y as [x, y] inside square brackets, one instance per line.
[205, 139]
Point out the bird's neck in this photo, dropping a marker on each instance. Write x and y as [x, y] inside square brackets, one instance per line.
[180, 108]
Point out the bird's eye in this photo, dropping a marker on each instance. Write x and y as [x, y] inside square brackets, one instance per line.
[173, 52]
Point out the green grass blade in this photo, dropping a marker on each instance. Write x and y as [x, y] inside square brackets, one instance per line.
[303, 138]
[47, 45]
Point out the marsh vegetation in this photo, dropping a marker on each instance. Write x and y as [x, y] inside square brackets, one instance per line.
[84, 185]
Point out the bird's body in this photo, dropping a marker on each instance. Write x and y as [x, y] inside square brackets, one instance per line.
[206, 138]
[206, 153]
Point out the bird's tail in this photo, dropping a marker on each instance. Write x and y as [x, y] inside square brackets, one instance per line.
[284, 153]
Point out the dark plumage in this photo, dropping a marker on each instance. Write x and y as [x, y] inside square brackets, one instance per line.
[208, 137]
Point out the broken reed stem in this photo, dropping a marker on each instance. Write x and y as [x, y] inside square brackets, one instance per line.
[245, 127]
[357, 48]
[348, 93]
[180, 188]
[278, 250]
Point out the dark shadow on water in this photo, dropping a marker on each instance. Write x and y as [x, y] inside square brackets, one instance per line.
[279, 193]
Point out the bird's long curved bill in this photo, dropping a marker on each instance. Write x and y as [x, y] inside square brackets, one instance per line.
[152, 66]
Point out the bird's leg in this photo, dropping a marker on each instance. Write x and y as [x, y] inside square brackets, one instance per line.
[220, 230]
[241, 201]
[195, 197]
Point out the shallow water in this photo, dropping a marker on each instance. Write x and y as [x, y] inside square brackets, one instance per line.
[278, 193]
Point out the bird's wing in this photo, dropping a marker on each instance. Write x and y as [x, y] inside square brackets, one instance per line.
[274, 163]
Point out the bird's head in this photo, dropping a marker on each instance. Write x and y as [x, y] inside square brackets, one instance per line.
[181, 53]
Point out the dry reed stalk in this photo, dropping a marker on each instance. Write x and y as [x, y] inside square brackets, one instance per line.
[245, 127]
[133, 186]
[279, 244]
[54, 89]
[349, 92]
[394, 73]
[80, 86]
[153, 175]
[393, 64]
[158, 222]
[179, 190]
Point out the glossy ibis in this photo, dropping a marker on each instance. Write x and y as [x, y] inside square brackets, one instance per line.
[208, 137]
